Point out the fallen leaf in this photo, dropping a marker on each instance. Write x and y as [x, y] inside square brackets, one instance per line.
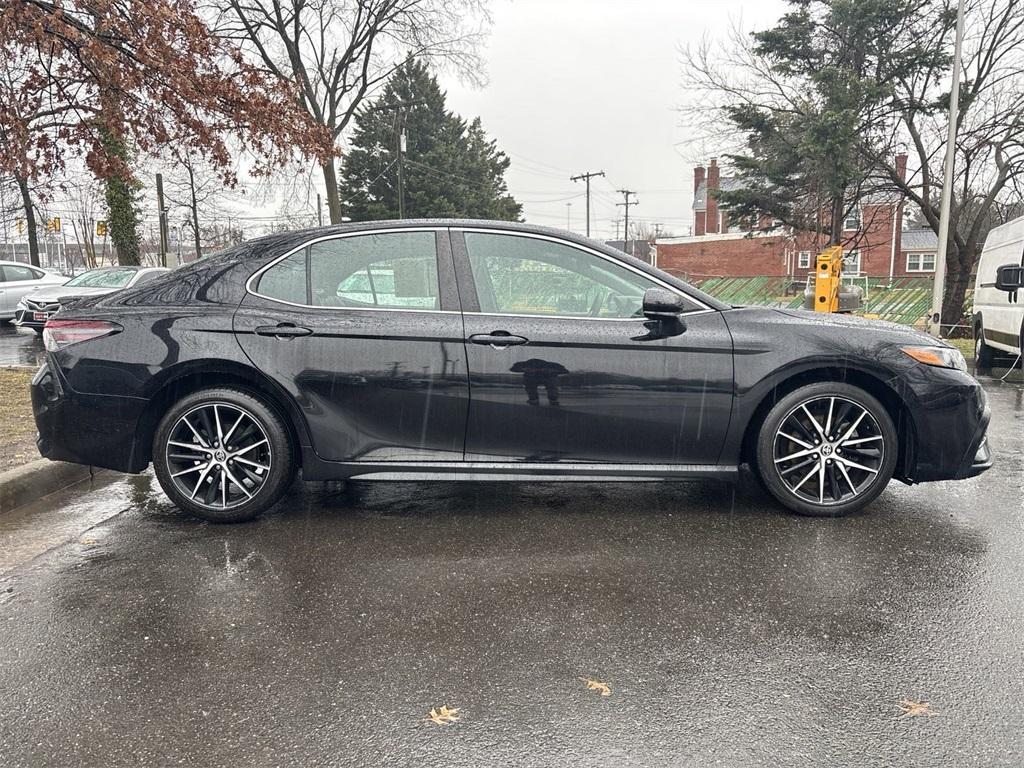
[597, 685]
[915, 709]
[444, 715]
[88, 541]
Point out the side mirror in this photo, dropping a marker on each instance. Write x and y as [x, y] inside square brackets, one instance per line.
[660, 304]
[1009, 277]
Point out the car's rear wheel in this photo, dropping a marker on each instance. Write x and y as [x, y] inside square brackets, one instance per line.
[223, 455]
[984, 355]
[827, 449]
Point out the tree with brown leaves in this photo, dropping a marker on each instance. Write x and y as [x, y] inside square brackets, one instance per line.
[107, 78]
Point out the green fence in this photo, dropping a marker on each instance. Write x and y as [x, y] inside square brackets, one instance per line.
[904, 300]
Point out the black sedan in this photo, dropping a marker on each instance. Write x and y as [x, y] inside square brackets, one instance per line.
[488, 351]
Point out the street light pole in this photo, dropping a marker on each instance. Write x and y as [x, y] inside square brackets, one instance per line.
[939, 284]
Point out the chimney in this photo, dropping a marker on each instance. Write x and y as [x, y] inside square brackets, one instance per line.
[699, 217]
[712, 223]
[901, 166]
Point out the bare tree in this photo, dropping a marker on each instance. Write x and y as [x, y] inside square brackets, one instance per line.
[989, 160]
[85, 199]
[195, 187]
[340, 51]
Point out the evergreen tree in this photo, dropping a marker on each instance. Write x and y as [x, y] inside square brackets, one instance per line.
[831, 67]
[450, 169]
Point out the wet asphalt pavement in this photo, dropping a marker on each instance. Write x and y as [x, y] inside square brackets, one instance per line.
[728, 632]
[20, 346]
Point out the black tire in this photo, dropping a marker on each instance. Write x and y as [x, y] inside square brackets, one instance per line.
[984, 355]
[853, 480]
[39, 331]
[236, 482]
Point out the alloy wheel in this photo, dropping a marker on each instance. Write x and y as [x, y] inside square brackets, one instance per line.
[218, 455]
[828, 450]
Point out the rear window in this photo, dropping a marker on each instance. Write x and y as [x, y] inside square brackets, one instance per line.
[102, 278]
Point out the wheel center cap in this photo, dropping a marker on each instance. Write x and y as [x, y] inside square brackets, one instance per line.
[826, 450]
[220, 455]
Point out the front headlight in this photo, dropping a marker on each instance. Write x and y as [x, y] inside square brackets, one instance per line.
[940, 357]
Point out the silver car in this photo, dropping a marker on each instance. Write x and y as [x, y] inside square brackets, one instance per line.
[39, 306]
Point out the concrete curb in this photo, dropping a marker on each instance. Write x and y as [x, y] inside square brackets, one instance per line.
[31, 481]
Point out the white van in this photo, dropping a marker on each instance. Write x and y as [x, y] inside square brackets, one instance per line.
[998, 309]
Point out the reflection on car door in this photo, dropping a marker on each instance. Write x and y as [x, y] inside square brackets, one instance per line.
[364, 331]
[562, 368]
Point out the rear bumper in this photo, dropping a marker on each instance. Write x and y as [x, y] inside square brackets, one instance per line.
[85, 429]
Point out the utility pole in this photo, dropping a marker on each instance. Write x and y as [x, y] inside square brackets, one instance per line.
[618, 225]
[626, 194]
[939, 284]
[568, 216]
[319, 211]
[587, 177]
[162, 218]
[400, 131]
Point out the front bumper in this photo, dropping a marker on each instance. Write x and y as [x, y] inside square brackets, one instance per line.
[27, 318]
[98, 430]
[950, 415]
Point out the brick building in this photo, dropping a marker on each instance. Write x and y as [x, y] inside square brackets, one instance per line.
[877, 244]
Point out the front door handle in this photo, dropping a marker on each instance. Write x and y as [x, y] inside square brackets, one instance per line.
[498, 339]
[282, 330]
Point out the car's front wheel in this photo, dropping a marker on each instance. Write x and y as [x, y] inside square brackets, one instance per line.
[222, 455]
[827, 449]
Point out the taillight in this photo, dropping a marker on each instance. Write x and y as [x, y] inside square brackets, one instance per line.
[58, 334]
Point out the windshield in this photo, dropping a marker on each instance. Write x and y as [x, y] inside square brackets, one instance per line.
[102, 278]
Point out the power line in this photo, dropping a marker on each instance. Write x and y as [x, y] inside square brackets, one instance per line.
[587, 177]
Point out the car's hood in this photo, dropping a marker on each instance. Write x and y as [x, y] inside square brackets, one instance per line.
[61, 293]
[845, 328]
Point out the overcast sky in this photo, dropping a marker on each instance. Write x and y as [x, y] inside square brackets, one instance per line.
[587, 85]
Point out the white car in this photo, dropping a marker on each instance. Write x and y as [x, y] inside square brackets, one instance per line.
[34, 309]
[17, 280]
[998, 304]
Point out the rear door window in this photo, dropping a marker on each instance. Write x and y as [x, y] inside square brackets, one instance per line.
[390, 270]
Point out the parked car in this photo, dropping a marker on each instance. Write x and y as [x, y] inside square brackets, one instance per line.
[39, 306]
[496, 351]
[998, 307]
[18, 279]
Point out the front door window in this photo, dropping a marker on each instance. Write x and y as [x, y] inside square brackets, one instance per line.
[517, 275]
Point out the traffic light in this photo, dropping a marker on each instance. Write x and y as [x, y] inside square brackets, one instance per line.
[101, 228]
[21, 226]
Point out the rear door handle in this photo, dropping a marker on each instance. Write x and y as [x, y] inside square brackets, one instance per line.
[282, 330]
[498, 339]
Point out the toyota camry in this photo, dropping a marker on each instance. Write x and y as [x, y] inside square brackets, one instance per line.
[488, 351]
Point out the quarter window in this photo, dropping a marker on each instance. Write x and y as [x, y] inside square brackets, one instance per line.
[286, 280]
[392, 270]
[529, 276]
